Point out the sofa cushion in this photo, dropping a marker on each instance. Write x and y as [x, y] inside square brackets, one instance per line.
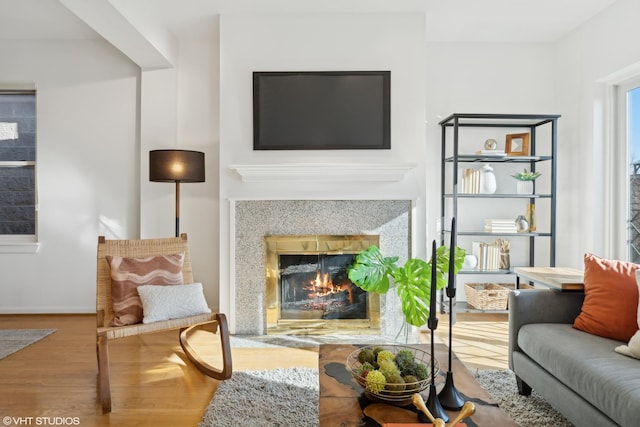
[588, 365]
[129, 273]
[611, 298]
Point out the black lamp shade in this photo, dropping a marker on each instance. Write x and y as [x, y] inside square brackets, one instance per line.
[176, 166]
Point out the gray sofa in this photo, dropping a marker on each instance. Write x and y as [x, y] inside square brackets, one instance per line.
[579, 374]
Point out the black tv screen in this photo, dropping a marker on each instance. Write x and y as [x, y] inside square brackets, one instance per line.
[325, 110]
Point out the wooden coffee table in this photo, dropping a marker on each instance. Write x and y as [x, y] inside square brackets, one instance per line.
[342, 399]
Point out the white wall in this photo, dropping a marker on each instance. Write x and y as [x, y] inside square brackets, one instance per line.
[320, 42]
[503, 78]
[180, 110]
[571, 78]
[98, 118]
[87, 169]
[588, 62]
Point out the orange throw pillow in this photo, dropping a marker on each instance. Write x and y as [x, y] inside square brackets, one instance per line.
[610, 307]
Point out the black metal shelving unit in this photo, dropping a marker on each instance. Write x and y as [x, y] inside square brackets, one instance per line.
[531, 123]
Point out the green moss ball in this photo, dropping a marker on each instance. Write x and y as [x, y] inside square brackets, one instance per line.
[411, 382]
[377, 350]
[395, 383]
[366, 356]
[375, 381]
[385, 355]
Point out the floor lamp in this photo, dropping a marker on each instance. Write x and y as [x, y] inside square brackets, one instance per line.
[176, 166]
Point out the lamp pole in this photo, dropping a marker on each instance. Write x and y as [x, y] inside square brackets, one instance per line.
[177, 208]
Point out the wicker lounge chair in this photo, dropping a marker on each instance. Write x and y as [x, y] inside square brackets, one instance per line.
[105, 312]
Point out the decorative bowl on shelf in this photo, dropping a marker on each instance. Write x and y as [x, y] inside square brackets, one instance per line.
[391, 373]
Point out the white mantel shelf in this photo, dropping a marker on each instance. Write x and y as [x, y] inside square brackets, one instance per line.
[324, 172]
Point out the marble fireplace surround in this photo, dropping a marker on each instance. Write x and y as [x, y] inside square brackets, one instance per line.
[254, 219]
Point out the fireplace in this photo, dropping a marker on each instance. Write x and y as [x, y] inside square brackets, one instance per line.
[391, 220]
[308, 290]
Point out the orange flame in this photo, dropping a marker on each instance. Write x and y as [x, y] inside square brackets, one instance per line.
[322, 286]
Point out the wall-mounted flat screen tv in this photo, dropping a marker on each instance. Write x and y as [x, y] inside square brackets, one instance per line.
[325, 110]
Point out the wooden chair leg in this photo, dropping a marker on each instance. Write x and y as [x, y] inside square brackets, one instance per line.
[104, 387]
[206, 368]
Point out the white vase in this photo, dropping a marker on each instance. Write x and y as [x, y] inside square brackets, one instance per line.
[488, 183]
[470, 262]
[525, 187]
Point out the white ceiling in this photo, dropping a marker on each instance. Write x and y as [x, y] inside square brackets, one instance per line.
[446, 20]
[40, 19]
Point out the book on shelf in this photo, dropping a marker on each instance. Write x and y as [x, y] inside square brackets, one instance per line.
[470, 181]
[487, 254]
[500, 226]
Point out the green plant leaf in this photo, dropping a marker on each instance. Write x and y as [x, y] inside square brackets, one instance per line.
[371, 270]
[442, 262]
[525, 175]
[413, 286]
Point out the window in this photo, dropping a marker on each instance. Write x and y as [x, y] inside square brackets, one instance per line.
[629, 134]
[18, 198]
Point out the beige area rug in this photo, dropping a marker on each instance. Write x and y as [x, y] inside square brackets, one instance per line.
[528, 411]
[12, 340]
[280, 397]
[289, 397]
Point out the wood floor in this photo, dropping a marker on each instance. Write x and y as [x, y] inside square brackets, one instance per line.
[152, 382]
[480, 340]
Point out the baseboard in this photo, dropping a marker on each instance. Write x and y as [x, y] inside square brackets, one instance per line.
[47, 310]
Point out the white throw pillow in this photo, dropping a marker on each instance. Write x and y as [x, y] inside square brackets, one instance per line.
[171, 302]
[633, 348]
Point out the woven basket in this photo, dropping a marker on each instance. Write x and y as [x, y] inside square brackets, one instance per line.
[486, 296]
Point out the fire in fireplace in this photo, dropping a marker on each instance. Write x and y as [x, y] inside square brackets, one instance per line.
[308, 289]
[317, 287]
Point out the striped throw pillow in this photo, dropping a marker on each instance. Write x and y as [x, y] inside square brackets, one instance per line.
[129, 273]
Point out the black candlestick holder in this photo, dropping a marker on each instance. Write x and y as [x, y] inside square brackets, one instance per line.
[433, 403]
[449, 396]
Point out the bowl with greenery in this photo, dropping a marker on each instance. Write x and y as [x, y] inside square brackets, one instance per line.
[391, 373]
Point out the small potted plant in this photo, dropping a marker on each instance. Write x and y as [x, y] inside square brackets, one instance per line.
[525, 181]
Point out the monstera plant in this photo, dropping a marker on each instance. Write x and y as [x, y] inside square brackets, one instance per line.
[373, 272]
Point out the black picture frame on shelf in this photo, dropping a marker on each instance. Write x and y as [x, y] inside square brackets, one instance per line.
[321, 110]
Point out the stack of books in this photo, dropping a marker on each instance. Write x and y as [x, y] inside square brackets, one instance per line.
[488, 255]
[494, 153]
[500, 226]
